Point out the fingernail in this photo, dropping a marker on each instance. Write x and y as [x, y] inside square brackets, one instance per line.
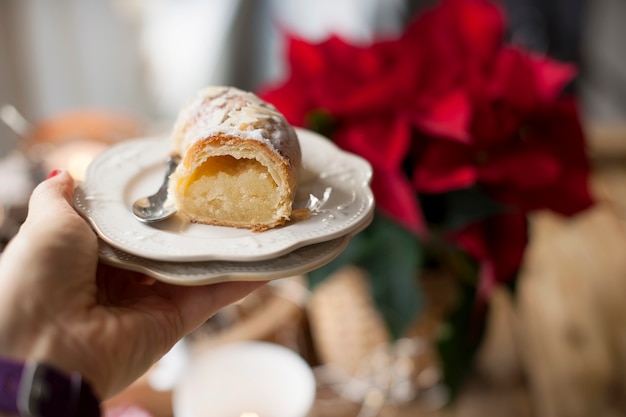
[53, 173]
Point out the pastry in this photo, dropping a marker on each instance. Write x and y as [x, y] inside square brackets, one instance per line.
[240, 161]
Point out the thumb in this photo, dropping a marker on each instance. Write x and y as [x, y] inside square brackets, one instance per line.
[51, 212]
[54, 240]
[53, 196]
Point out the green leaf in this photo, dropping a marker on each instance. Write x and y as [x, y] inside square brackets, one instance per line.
[462, 334]
[392, 257]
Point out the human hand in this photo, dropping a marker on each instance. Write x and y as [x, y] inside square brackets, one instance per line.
[58, 305]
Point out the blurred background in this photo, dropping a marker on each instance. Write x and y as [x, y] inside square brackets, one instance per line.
[106, 70]
[147, 57]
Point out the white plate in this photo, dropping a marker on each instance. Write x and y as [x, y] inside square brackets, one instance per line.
[334, 185]
[294, 263]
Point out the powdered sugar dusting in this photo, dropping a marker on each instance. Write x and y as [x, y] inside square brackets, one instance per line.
[233, 112]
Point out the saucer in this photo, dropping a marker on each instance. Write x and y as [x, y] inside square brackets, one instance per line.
[298, 262]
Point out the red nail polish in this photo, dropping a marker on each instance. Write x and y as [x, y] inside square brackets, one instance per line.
[53, 173]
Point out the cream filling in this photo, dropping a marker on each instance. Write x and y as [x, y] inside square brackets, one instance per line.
[230, 190]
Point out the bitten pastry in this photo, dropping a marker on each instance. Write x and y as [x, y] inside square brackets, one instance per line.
[240, 161]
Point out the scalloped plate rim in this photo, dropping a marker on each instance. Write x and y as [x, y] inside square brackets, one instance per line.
[213, 272]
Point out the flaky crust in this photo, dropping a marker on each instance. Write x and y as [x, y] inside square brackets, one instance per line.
[227, 121]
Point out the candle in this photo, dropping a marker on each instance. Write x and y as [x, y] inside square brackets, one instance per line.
[246, 379]
[73, 157]
[71, 140]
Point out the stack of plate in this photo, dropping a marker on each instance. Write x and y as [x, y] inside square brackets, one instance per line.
[334, 186]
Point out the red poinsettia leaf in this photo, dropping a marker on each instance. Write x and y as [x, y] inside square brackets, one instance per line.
[520, 168]
[559, 132]
[545, 167]
[395, 197]
[568, 199]
[382, 139]
[296, 96]
[384, 142]
[519, 86]
[444, 166]
[382, 93]
[551, 76]
[508, 237]
[367, 79]
[305, 59]
[465, 33]
[481, 25]
[493, 122]
[498, 244]
[289, 100]
[525, 80]
[441, 66]
[513, 82]
[448, 118]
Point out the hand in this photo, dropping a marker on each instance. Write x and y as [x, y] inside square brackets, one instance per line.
[58, 305]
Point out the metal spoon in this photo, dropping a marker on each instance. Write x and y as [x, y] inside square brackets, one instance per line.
[154, 208]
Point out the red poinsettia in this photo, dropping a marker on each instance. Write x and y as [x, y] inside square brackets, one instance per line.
[448, 106]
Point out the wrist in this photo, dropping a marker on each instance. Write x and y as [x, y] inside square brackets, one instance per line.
[39, 390]
[49, 344]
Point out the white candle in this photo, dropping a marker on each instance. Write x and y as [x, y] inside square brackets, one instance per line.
[246, 379]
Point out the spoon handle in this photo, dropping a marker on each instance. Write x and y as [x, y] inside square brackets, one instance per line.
[172, 163]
